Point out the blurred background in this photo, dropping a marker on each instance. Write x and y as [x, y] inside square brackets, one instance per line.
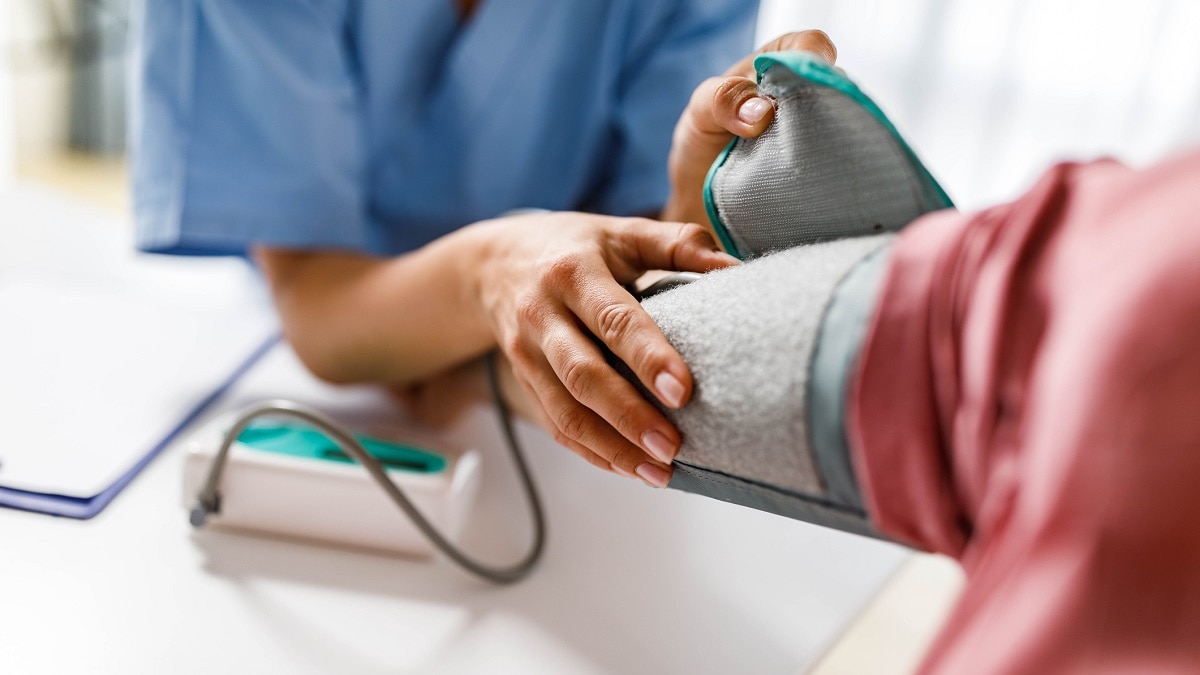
[62, 95]
[988, 93]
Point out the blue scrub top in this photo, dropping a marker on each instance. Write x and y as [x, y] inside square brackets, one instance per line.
[380, 125]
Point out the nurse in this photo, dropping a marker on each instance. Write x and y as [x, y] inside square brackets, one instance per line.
[365, 154]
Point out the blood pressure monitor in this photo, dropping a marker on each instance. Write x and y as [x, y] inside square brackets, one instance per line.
[286, 478]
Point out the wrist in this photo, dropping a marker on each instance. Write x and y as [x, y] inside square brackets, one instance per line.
[474, 247]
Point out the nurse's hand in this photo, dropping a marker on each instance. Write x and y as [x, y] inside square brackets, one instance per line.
[720, 108]
[551, 285]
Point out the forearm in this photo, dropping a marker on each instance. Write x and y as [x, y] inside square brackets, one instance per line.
[354, 318]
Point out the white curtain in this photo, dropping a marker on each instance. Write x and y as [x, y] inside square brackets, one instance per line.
[990, 93]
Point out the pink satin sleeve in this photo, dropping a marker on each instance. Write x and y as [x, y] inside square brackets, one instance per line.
[1028, 402]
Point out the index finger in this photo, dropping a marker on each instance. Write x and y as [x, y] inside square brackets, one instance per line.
[611, 314]
[815, 41]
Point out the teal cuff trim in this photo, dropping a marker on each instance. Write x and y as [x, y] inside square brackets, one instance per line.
[711, 206]
[816, 70]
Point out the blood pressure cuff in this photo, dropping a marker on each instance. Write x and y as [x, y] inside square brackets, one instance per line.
[810, 204]
[771, 344]
[830, 165]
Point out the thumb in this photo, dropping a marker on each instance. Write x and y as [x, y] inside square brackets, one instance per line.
[722, 107]
[732, 105]
[676, 247]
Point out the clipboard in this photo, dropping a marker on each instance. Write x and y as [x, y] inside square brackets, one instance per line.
[84, 508]
[107, 355]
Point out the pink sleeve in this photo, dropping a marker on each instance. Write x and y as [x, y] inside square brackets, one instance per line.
[1028, 401]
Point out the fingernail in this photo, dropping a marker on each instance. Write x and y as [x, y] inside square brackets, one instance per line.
[670, 389]
[654, 475]
[754, 110]
[658, 445]
[621, 471]
[731, 259]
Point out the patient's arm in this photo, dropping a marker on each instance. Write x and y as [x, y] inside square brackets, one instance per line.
[749, 335]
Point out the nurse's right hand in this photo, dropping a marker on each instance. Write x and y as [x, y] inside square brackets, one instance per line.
[544, 287]
[553, 284]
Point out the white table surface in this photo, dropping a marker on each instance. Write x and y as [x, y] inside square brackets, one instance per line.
[633, 580]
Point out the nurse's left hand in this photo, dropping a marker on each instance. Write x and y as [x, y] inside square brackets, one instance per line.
[550, 285]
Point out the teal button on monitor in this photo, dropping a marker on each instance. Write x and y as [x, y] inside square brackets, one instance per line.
[306, 443]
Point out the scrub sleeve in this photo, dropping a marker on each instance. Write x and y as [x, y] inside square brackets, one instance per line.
[246, 129]
[380, 126]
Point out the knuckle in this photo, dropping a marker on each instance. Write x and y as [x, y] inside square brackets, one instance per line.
[626, 456]
[626, 419]
[562, 439]
[596, 460]
[531, 309]
[613, 321]
[570, 423]
[518, 353]
[562, 270]
[646, 358]
[695, 233]
[728, 93]
[578, 376]
[724, 92]
[512, 346]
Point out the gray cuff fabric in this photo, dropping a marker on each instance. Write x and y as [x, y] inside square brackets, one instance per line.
[749, 335]
[831, 165]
